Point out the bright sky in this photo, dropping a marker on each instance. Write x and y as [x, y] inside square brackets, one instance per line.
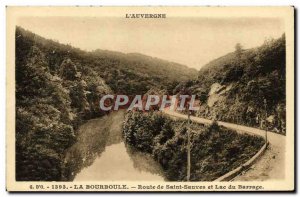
[190, 41]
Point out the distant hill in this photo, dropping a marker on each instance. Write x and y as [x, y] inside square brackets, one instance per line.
[151, 65]
[245, 86]
[135, 73]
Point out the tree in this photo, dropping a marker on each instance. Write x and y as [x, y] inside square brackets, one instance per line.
[68, 70]
[238, 50]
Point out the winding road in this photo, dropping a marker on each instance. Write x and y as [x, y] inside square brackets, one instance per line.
[269, 166]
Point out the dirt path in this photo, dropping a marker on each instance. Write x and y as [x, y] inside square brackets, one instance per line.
[269, 166]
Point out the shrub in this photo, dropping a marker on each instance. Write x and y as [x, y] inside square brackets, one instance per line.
[214, 149]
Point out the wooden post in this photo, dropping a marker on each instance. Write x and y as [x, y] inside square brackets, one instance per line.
[266, 132]
[189, 148]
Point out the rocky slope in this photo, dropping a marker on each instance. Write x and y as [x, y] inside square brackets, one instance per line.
[244, 87]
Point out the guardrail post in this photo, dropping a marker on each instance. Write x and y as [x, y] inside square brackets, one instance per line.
[189, 149]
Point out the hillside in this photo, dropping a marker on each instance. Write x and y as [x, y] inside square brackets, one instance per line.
[51, 102]
[58, 87]
[131, 73]
[245, 87]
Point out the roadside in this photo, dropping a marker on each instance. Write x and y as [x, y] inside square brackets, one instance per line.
[269, 166]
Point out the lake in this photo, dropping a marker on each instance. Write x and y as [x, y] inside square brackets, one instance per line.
[100, 154]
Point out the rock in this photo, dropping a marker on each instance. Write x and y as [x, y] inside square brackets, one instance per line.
[216, 93]
[215, 88]
[271, 119]
[212, 100]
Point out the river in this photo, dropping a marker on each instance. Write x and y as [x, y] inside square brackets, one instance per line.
[100, 154]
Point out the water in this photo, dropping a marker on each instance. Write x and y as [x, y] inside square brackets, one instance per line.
[101, 155]
[115, 164]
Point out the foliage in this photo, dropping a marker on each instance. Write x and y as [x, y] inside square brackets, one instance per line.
[58, 86]
[129, 74]
[51, 102]
[251, 76]
[214, 150]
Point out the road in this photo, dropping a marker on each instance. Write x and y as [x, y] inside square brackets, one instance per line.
[270, 166]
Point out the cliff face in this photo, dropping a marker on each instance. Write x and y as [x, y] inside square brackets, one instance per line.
[245, 87]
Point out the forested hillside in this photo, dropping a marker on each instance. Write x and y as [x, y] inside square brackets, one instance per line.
[51, 101]
[245, 87]
[58, 87]
[125, 73]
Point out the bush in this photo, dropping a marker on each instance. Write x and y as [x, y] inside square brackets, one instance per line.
[214, 149]
[51, 101]
[251, 77]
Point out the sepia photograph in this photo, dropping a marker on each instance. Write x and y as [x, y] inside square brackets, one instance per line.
[159, 99]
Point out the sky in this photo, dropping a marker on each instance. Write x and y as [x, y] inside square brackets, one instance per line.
[190, 41]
